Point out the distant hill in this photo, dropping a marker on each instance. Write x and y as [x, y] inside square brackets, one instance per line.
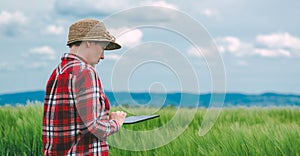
[173, 99]
[21, 98]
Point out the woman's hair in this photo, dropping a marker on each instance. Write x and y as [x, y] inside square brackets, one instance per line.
[77, 43]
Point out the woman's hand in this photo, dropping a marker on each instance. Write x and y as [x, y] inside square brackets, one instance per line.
[119, 116]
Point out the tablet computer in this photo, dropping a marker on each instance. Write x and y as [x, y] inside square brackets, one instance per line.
[136, 119]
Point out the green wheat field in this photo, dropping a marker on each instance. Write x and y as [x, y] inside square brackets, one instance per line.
[238, 131]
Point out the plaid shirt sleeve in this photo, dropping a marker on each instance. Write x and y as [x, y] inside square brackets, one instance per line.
[92, 105]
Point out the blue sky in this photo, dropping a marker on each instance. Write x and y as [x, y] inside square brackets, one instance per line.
[259, 42]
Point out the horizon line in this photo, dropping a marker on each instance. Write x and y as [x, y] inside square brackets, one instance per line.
[174, 92]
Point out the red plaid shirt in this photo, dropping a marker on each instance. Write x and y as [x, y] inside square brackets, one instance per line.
[76, 119]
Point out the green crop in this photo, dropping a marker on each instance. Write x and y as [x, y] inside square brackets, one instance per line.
[238, 131]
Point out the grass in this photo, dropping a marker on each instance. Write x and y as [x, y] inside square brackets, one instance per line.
[238, 131]
[20, 130]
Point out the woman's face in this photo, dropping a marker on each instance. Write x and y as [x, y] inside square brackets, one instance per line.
[97, 52]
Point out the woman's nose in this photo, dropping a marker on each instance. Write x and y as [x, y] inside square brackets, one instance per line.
[102, 56]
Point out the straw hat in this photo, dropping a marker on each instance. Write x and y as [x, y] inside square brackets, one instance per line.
[91, 30]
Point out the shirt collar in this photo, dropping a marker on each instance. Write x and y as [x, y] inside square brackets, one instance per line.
[73, 57]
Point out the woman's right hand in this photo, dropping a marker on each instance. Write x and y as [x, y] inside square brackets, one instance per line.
[119, 116]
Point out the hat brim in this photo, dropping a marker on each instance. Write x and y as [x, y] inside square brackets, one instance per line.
[112, 46]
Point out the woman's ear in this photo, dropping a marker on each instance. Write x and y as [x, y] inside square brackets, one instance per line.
[88, 44]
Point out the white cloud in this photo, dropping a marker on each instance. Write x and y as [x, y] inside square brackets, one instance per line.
[36, 65]
[278, 45]
[89, 7]
[38, 57]
[43, 52]
[209, 12]
[242, 62]
[235, 46]
[15, 18]
[239, 48]
[55, 30]
[279, 40]
[199, 52]
[126, 37]
[272, 52]
[161, 4]
[12, 23]
[4, 66]
[113, 57]
[194, 52]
